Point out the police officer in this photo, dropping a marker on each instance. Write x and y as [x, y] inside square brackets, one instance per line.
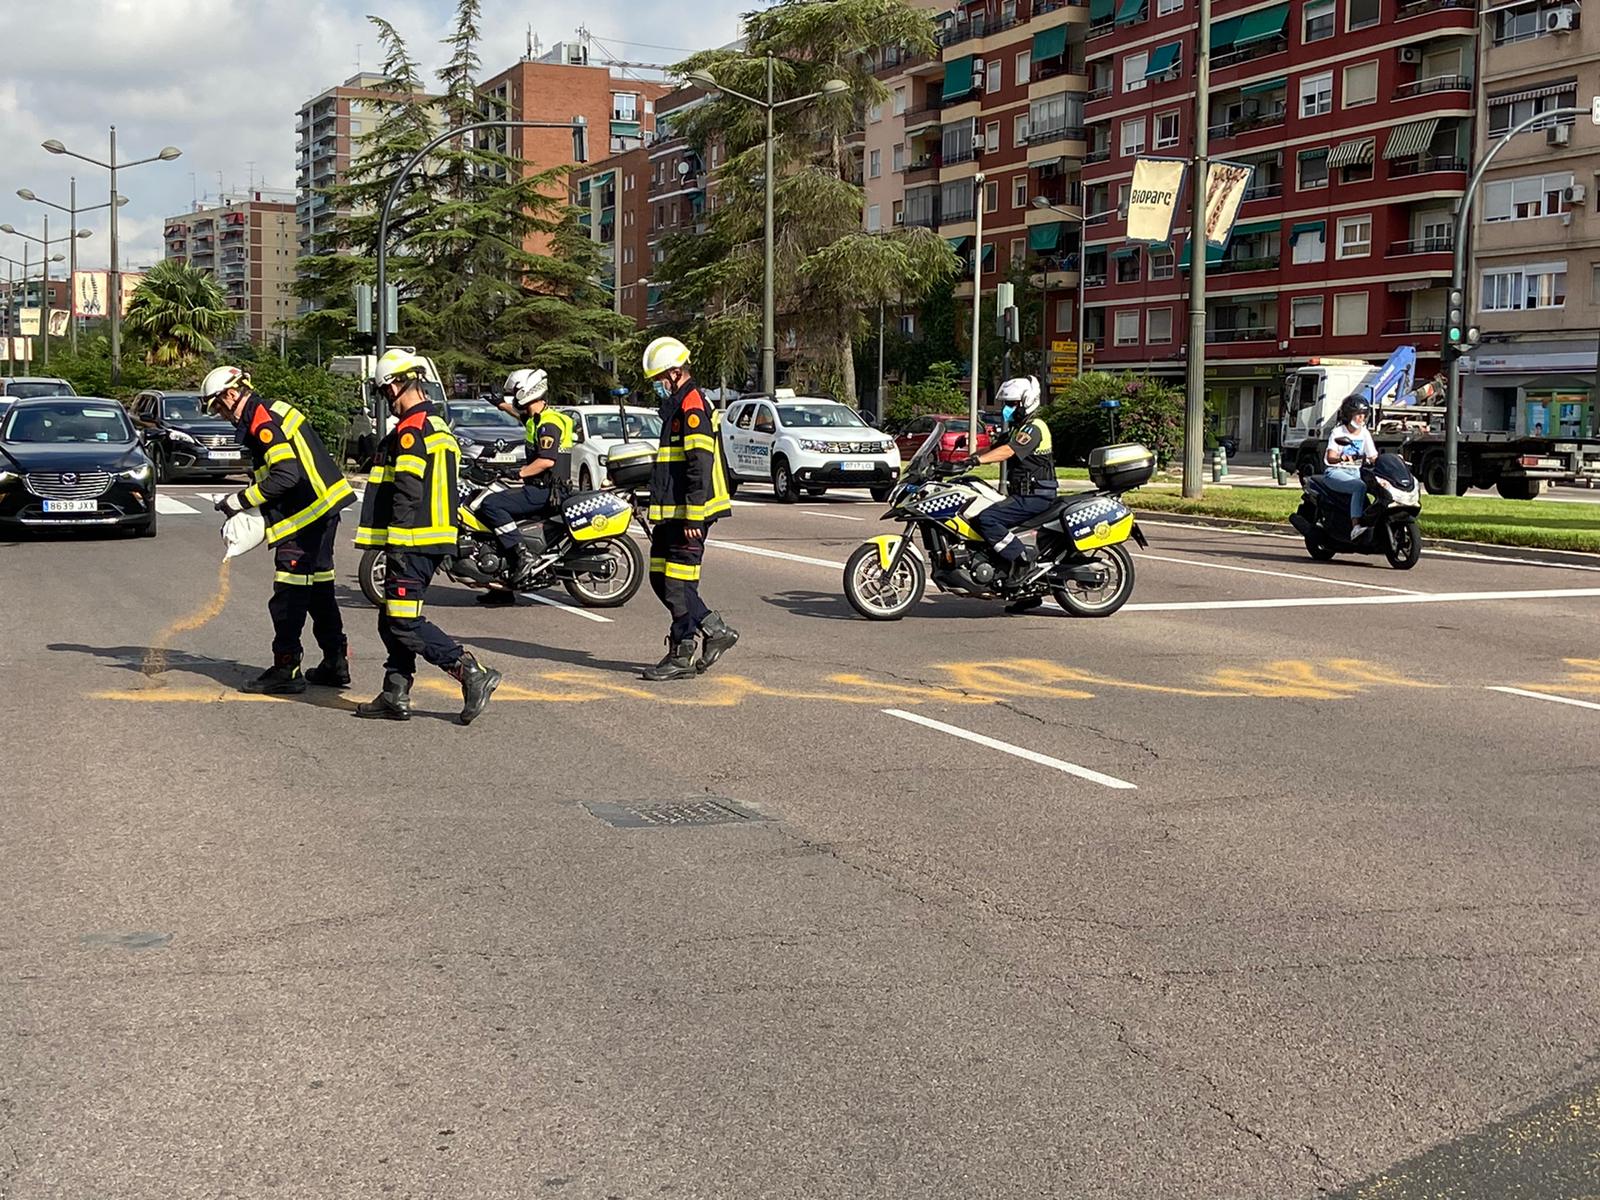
[687, 493]
[549, 435]
[300, 492]
[410, 509]
[1031, 478]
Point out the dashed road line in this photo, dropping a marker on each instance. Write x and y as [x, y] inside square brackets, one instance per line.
[762, 552]
[565, 607]
[1033, 756]
[817, 512]
[1190, 562]
[1342, 601]
[1511, 691]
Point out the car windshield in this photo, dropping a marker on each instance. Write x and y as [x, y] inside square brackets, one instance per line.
[818, 416]
[184, 408]
[38, 387]
[67, 423]
[609, 425]
[482, 414]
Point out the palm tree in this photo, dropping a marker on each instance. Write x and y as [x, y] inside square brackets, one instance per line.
[178, 310]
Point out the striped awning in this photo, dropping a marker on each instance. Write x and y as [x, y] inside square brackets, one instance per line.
[1410, 140]
[1354, 153]
[1534, 93]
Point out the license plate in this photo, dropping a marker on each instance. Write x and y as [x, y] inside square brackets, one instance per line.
[858, 465]
[508, 456]
[226, 455]
[66, 506]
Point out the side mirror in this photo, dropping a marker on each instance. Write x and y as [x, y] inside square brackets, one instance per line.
[961, 442]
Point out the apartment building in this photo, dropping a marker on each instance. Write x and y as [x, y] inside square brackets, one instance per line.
[613, 202]
[250, 245]
[1536, 236]
[1357, 116]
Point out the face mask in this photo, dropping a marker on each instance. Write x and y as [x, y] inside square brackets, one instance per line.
[1008, 412]
[661, 390]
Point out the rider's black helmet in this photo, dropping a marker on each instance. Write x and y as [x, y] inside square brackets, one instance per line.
[1352, 406]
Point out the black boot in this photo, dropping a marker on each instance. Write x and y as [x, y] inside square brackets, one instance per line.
[282, 678]
[478, 683]
[1025, 605]
[333, 671]
[719, 637]
[497, 598]
[391, 704]
[521, 567]
[678, 664]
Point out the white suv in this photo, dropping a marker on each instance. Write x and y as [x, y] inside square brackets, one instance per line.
[803, 444]
[599, 429]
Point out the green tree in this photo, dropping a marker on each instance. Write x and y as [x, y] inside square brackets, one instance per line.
[1150, 411]
[177, 313]
[829, 273]
[938, 392]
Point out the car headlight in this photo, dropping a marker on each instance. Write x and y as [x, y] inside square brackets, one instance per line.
[179, 435]
[8, 477]
[886, 447]
[139, 473]
[604, 459]
[464, 441]
[813, 447]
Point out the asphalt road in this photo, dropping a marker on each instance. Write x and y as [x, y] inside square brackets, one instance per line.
[1260, 888]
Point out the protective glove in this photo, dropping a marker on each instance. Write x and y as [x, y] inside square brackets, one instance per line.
[969, 463]
[232, 504]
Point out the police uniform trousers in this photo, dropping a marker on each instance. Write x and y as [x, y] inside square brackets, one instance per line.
[996, 521]
[303, 586]
[503, 510]
[406, 633]
[675, 576]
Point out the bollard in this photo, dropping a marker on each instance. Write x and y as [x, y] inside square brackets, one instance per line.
[1217, 458]
[1277, 466]
[1222, 462]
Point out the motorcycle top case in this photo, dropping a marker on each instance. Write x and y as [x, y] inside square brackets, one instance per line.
[1121, 468]
[594, 515]
[630, 464]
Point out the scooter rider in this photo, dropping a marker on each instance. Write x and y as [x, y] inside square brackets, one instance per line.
[525, 392]
[1031, 480]
[1350, 447]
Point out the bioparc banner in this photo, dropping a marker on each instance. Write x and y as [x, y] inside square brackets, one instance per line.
[91, 288]
[1153, 199]
[1226, 184]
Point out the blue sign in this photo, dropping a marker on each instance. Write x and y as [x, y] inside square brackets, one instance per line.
[1111, 404]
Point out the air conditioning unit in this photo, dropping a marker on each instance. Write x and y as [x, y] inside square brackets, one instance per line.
[1576, 194]
[978, 74]
[1561, 20]
[1558, 135]
[1411, 55]
[900, 218]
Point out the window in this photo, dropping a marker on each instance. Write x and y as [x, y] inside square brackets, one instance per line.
[1361, 84]
[956, 142]
[875, 164]
[1318, 20]
[627, 255]
[765, 422]
[1019, 191]
[899, 212]
[746, 415]
[957, 201]
[1049, 115]
[1127, 326]
[991, 197]
[1305, 318]
[1313, 168]
[1019, 131]
[1506, 111]
[899, 156]
[874, 218]
[624, 106]
[1158, 326]
[1064, 313]
[1024, 66]
[1166, 130]
[627, 220]
[1124, 190]
[993, 77]
[1518, 24]
[1133, 68]
[875, 113]
[1128, 265]
[908, 323]
[355, 128]
[1165, 8]
[1525, 199]
[899, 101]
[991, 137]
[1161, 265]
[1355, 237]
[1316, 94]
[1133, 136]
[1516, 289]
[1350, 314]
[1019, 252]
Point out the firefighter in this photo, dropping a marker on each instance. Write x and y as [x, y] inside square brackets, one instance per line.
[687, 493]
[410, 510]
[300, 492]
[549, 436]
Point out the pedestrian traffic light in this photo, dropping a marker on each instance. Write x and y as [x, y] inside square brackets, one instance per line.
[1005, 295]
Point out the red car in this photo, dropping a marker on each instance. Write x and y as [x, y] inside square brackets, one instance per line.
[910, 439]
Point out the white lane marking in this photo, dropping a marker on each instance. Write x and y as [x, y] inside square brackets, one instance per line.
[573, 609]
[1033, 756]
[168, 507]
[762, 552]
[1190, 562]
[1511, 691]
[817, 512]
[1339, 601]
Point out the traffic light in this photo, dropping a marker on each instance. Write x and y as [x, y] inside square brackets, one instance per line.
[363, 301]
[1458, 335]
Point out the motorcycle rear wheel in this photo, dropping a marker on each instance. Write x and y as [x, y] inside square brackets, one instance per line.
[371, 573]
[1081, 600]
[616, 591]
[876, 595]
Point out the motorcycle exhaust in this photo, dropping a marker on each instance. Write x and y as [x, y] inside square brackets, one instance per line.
[601, 566]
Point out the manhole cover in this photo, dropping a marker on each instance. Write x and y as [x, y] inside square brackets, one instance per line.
[641, 814]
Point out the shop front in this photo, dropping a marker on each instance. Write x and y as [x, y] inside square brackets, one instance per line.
[1536, 390]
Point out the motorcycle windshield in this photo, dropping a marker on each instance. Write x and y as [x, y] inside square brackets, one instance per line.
[923, 461]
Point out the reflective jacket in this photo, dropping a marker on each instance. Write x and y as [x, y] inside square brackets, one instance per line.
[411, 493]
[550, 435]
[549, 417]
[296, 479]
[1032, 470]
[688, 482]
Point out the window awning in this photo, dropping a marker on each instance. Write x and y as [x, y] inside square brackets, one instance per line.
[1266, 85]
[1534, 93]
[1044, 238]
[1101, 10]
[960, 244]
[1052, 43]
[1162, 59]
[1223, 32]
[1130, 10]
[624, 129]
[1353, 153]
[957, 78]
[1410, 140]
[1125, 252]
[1254, 228]
[988, 257]
[1317, 227]
[1260, 25]
[1213, 255]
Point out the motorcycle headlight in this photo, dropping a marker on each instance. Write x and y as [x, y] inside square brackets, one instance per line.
[179, 435]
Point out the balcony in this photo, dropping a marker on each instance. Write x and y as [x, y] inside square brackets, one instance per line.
[1095, 279]
[957, 157]
[922, 118]
[1103, 154]
[1241, 333]
[958, 216]
[1432, 85]
[1100, 218]
[1056, 133]
[962, 31]
[1264, 191]
[1242, 125]
[1405, 326]
[1419, 8]
[1265, 48]
[927, 220]
[1426, 164]
[1428, 245]
[924, 170]
[1104, 92]
[1244, 265]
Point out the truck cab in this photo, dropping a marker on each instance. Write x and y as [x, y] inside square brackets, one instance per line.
[364, 366]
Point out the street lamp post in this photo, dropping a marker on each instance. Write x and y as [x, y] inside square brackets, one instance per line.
[114, 300]
[72, 210]
[769, 106]
[1082, 218]
[44, 274]
[11, 305]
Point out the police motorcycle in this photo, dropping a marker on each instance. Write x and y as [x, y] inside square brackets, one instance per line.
[583, 545]
[1082, 561]
[1394, 502]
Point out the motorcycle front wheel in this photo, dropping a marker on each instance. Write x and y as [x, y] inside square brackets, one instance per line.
[627, 573]
[1084, 600]
[371, 573]
[875, 593]
[1405, 544]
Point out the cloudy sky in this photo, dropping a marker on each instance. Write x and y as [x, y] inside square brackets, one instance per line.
[223, 80]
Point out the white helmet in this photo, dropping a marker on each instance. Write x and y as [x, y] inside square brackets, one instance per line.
[401, 365]
[663, 354]
[526, 386]
[1021, 396]
[220, 379]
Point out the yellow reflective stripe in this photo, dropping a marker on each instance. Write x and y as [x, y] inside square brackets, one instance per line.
[411, 464]
[290, 577]
[657, 565]
[682, 571]
[440, 502]
[367, 537]
[316, 510]
[253, 496]
[670, 454]
[259, 474]
[433, 535]
[700, 441]
[322, 577]
[290, 418]
[380, 475]
[281, 452]
[440, 441]
[403, 608]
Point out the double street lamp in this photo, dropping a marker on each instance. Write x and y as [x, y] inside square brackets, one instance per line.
[72, 210]
[114, 300]
[45, 243]
[1082, 218]
[12, 307]
[769, 106]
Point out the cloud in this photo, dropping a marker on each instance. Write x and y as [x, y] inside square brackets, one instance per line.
[224, 80]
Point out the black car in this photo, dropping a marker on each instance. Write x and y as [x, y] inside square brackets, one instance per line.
[480, 423]
[183, 439]
[69, 461]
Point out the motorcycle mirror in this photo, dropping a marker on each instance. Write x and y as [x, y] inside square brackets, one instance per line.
[961, 442]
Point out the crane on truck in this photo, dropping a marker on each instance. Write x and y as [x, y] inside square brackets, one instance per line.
[1409, 420]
